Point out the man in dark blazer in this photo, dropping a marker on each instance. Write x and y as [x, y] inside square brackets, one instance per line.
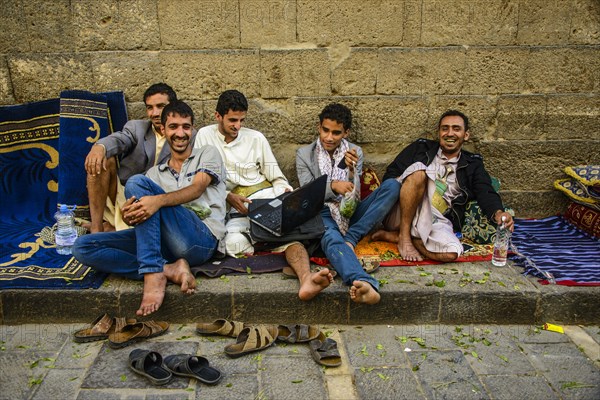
[438, 179]
[120, 155]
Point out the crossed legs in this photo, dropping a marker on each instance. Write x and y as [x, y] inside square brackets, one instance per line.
[411, 248]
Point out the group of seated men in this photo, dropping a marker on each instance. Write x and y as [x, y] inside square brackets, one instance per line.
[164, 196]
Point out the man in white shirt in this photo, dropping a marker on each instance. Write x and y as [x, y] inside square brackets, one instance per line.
[253, 173]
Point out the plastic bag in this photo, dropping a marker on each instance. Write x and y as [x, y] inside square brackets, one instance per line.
[351, 199]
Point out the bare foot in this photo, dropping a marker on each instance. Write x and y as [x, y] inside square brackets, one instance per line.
[314, 284]
[179, 272]
[408, 251]
[350, 245]
[363, 292]
[104, 227]
[154, 293]
[385, 236]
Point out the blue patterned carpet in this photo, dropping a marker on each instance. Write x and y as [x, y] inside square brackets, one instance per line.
[34, 179]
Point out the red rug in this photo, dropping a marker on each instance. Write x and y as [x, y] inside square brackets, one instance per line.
[388, 254]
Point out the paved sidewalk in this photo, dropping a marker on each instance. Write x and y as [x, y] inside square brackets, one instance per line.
[379, 362]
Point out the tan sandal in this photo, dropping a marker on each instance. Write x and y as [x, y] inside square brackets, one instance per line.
[252, 338]
[132, 333]
[101, 328]
[221, 327]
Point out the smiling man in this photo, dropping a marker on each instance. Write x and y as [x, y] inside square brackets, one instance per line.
[115, 158]
[177, 210]
[438, 179]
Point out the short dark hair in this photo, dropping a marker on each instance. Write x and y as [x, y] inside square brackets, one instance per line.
[161, 88]
[231, 100]
[176, 107]
[454, 113]
[339, 113]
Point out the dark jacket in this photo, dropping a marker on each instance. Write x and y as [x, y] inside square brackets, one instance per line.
[473, 179]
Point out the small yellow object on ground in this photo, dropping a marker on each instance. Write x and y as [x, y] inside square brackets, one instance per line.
[554, 328]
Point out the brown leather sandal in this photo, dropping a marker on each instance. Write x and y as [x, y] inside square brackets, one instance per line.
[132, 333]
[101, 328]
[221, 327]
[252, 338]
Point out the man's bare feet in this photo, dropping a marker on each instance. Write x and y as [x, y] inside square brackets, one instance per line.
[154, 293]
[314, 283]
[104, 227]
[363, 292]
[408, 251]
[179, 272]
[385, 236]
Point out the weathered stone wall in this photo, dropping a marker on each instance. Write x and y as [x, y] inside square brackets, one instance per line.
[526, 71]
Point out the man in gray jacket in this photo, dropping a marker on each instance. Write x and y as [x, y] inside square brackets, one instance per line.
[118, 156]
[333, 155]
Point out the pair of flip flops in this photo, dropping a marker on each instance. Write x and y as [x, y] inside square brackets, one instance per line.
[151, 365]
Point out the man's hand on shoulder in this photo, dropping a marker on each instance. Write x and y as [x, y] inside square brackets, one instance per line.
[95, 162]
[238, 202]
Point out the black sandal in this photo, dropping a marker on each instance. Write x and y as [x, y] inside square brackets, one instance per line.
[149, 364]
[325, 351]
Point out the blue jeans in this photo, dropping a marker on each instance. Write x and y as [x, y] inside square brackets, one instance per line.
[369, 213]
[168, 235]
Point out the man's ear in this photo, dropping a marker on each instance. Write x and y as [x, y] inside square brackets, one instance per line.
[162, 129]
[346, 133]
[467, 135]
[218, 116]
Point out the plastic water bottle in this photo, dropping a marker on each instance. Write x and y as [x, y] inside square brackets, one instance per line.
[501, 245]
[65, 234]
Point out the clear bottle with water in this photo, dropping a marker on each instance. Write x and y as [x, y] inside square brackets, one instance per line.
[501, 245]
[65, 233]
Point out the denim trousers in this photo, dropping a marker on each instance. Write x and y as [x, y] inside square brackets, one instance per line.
[369, 213]
[168, 235]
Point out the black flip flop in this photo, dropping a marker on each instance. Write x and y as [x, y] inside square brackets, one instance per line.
[194, 367]
[149, 364]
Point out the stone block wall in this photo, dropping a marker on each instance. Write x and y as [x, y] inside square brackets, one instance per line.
[527, 72]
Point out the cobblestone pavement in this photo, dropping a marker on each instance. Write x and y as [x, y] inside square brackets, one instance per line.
[379, 362]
